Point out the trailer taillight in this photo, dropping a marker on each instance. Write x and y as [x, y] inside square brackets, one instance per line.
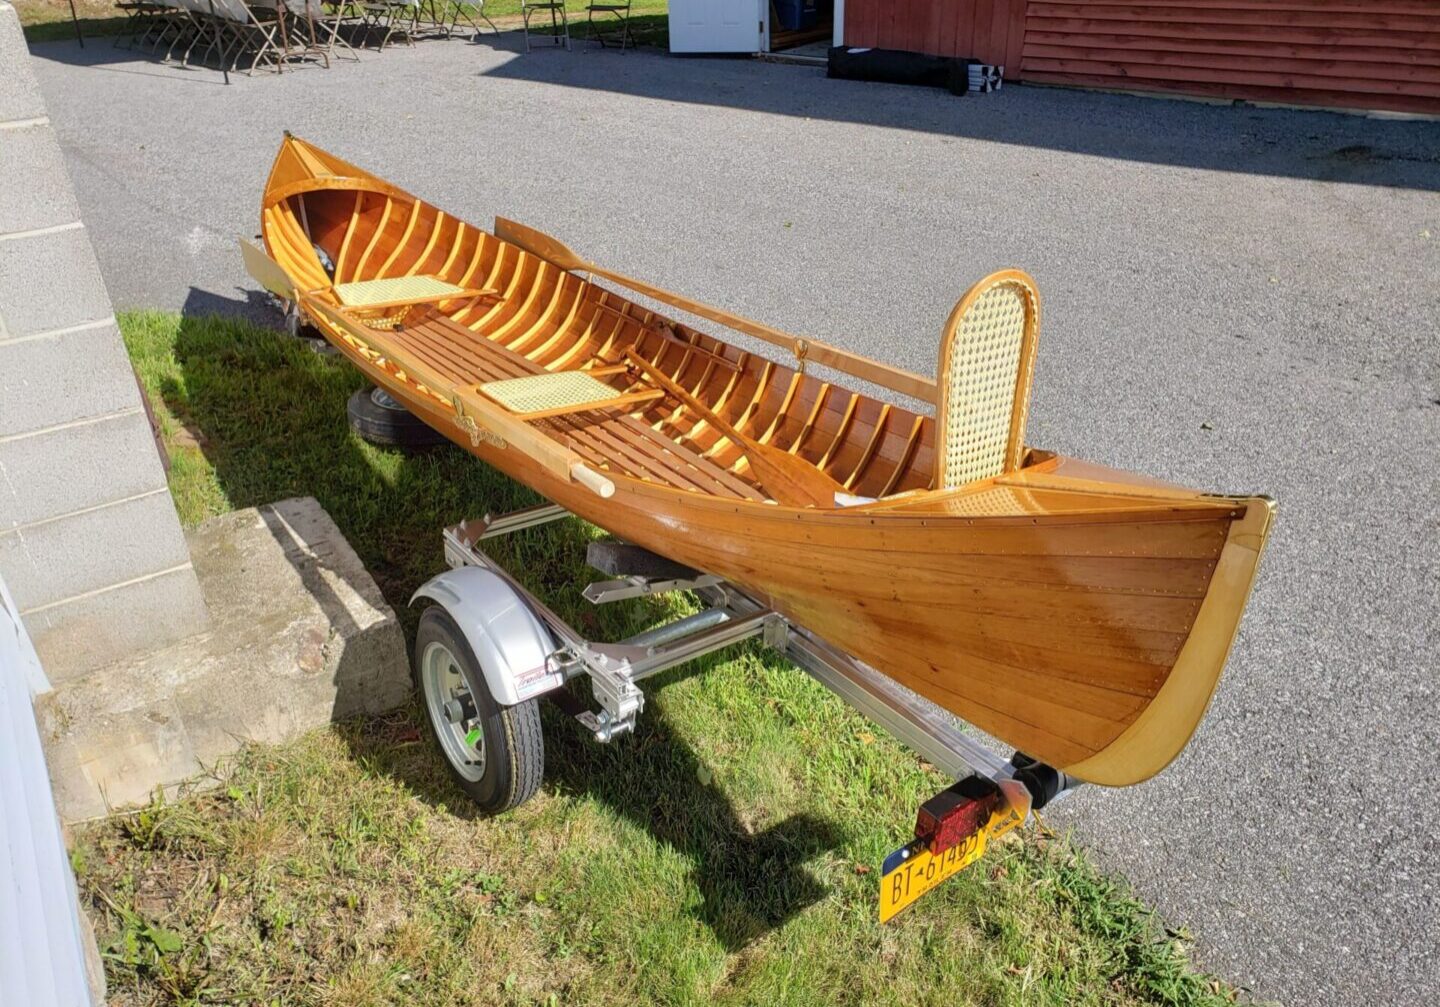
[956, 813]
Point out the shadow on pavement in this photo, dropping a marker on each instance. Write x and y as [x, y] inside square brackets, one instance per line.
[1320, 145]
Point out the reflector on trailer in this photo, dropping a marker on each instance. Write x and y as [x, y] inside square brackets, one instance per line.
[956, 813]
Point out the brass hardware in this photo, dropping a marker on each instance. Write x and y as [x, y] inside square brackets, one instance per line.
[467, 423]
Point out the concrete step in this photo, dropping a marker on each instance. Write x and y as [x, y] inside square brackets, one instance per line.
[300, 636]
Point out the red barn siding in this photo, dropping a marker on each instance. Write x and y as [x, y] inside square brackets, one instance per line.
[988, 30]
[1383, 54]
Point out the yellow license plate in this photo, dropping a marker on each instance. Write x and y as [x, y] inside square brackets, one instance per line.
[913, 871]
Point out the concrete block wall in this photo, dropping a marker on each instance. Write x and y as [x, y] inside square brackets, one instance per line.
[90, 544]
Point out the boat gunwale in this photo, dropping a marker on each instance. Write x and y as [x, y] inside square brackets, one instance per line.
[915, 504]
[1160, 509]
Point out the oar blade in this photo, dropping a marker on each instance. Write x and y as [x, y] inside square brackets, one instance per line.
[791, 480]
[538, 243]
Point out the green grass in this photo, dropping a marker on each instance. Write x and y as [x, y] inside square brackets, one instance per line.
[49, 20]
[723, 854]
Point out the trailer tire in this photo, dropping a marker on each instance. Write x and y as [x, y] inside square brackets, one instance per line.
[379, 419]
[511, 748]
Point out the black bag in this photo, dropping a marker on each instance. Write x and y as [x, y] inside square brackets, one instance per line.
[893, 66]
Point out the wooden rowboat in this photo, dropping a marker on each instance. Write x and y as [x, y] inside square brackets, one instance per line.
[1079, 613]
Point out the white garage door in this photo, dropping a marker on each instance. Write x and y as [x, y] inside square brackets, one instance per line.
[715, 25]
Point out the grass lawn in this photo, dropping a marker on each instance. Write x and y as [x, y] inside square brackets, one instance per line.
[726, 853]
[49, 20]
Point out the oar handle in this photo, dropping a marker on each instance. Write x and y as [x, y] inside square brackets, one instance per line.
[592, 480]
[664, 381]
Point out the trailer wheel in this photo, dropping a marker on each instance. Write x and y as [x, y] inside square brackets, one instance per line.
[496, 753]
[379, 419]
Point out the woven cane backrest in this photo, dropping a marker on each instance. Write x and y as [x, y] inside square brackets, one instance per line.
[987, 361]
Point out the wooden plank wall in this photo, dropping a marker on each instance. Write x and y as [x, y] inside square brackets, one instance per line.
[1380, 54]
[988, 30]
[1383, 54]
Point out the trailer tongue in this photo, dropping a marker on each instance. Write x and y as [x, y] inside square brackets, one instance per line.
[488, 649]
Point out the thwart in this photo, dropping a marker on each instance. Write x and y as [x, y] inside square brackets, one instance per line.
[1079, 613]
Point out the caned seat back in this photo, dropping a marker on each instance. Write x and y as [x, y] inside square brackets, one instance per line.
[987, 363]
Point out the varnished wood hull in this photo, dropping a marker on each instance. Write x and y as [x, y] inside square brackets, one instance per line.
[1082, 615]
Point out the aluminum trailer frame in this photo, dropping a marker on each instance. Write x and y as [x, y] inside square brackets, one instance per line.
[534, 666]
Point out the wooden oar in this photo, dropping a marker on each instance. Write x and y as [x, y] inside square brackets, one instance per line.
[897, 379]
[789, 479]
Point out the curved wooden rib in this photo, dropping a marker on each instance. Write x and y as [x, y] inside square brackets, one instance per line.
[1080, 614]
[350, 230]
[378, 230]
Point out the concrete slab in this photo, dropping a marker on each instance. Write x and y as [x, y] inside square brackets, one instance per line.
[300, 636]
[22, 101]
[81, 634]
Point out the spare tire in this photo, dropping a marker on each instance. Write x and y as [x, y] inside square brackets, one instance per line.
[381, 420]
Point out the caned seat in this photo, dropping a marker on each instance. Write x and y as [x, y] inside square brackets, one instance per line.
[387, 293]
[384, 303]
[987, 364]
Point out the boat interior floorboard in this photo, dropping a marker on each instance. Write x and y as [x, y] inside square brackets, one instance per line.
[609, 438]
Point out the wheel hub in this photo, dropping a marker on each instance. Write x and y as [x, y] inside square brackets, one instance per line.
[384, 400]
[452, 711]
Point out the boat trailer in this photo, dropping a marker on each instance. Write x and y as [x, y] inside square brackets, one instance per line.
[488, 649]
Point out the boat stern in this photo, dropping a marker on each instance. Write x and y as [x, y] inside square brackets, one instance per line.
[1163, 729]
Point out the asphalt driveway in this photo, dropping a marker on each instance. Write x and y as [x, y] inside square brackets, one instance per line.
[1235, 298]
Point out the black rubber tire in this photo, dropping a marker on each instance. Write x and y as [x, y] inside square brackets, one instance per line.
[514, 744]
[381, 420]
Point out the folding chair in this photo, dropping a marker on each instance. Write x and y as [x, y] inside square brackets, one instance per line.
[163, 22]
[556, 27]
[391, 15]
[621, 11]
[140, 18]
[191, 24]
[329, 24]
[251, 29]
[458, 11]
[306, 31]
[206, 28]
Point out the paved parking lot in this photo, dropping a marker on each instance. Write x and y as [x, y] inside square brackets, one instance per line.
[1235, 298]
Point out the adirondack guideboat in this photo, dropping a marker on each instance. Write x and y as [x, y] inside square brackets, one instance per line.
[1080, 614]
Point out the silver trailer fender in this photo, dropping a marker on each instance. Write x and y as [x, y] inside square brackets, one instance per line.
[512, 645]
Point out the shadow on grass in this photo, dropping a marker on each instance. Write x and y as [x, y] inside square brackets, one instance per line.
[749, 881]
[63, 30]
[268, 413]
